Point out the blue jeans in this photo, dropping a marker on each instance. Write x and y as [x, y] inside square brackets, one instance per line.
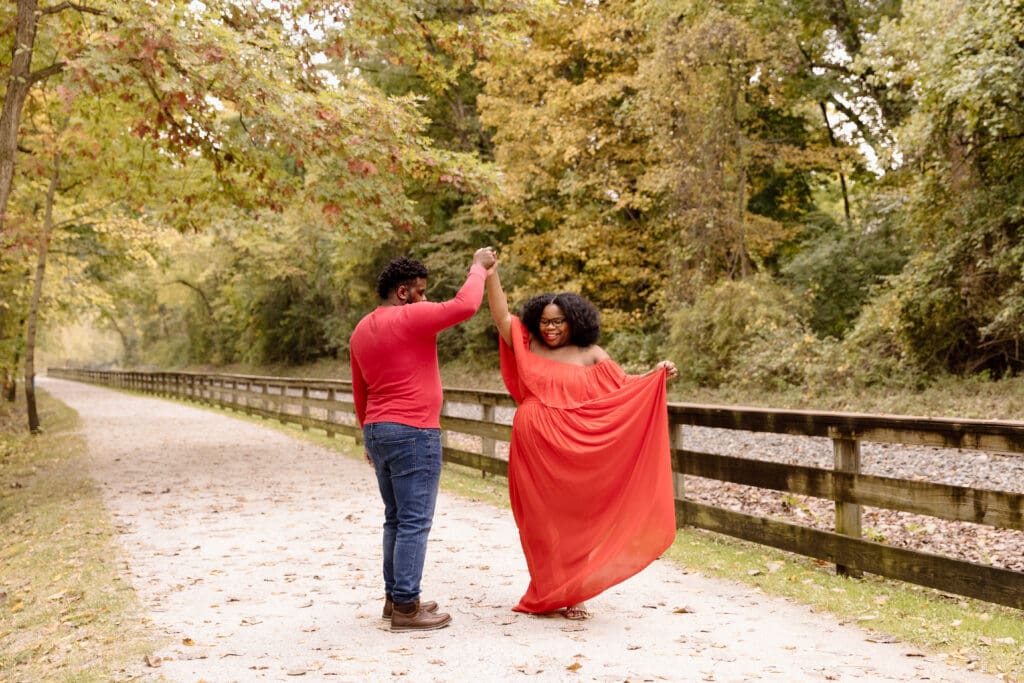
[408, 464]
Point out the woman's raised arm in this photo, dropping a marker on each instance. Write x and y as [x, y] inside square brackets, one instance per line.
[498, 304]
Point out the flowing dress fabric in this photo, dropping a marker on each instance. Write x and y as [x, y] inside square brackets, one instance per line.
[590, 479]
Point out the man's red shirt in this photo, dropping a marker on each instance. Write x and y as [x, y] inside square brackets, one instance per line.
[393, 352]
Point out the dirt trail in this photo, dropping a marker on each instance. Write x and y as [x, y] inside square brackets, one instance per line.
[257, 555]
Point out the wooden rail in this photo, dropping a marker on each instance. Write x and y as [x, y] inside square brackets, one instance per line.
[327, 405]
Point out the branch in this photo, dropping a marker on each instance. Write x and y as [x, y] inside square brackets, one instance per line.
[55, 9]
[46, 72]
[197, 290]
[853, 116]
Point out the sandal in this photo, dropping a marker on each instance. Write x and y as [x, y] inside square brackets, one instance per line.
[576, 612]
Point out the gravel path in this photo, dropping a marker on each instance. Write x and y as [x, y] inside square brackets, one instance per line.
[257, 555]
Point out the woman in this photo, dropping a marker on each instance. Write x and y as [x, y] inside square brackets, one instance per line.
[590, 478]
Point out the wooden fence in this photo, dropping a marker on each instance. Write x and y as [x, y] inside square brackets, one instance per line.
[327, 405]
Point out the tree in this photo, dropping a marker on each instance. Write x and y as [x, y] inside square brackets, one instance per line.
[561, 102]
[960, 300]
[233, 89]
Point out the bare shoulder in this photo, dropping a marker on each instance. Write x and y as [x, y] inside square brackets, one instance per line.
[596, 354]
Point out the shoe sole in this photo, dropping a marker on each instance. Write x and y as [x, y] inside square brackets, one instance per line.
[434, 627]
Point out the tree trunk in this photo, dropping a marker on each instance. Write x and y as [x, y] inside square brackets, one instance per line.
[10, 386]
[842, 176]
[18, 86]
[37, 295]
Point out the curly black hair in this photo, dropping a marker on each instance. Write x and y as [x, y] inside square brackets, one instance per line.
[401, 271]
[583, 317]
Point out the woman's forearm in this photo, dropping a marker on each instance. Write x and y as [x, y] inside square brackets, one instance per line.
[498, 304]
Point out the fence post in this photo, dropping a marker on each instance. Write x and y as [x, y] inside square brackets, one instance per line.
[330, 417]
[847, 460]
[359, 431]
[675, 441]
[444, 432]
[305, 408]
[487, 444]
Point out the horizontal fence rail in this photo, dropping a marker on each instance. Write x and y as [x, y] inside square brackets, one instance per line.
[477, 425]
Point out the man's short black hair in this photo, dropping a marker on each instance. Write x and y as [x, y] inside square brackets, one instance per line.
[401, 271]
[583, 317]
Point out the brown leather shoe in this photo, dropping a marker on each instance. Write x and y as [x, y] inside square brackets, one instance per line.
[428, 606]
[418, 619]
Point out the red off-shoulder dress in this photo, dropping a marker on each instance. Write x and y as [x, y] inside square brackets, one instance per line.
[589, 473]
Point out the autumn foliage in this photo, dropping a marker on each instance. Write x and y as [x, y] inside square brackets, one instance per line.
[778, 193]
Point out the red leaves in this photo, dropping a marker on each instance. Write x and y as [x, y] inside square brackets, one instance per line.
[362, 167]
[455, 180]
[335, 50]
[213, 54]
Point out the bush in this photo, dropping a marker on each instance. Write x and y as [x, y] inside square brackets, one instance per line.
[747, 332]
[873, 353]
[835, 272]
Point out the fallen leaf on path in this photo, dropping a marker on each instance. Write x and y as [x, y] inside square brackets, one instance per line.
[682, 610]
[188, 641]
[528, 670]
[575, 666]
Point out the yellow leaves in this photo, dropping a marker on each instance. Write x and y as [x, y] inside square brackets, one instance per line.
[576, 666]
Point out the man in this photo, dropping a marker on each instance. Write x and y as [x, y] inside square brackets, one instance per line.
[396, 386]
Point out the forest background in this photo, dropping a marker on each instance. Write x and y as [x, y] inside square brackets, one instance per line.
[799, 199]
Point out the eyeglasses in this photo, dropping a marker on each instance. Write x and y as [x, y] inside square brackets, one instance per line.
[553, 322]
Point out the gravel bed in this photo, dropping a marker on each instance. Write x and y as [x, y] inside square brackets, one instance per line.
[963, 540]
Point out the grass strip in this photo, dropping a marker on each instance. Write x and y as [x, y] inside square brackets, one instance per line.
[66, 611]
